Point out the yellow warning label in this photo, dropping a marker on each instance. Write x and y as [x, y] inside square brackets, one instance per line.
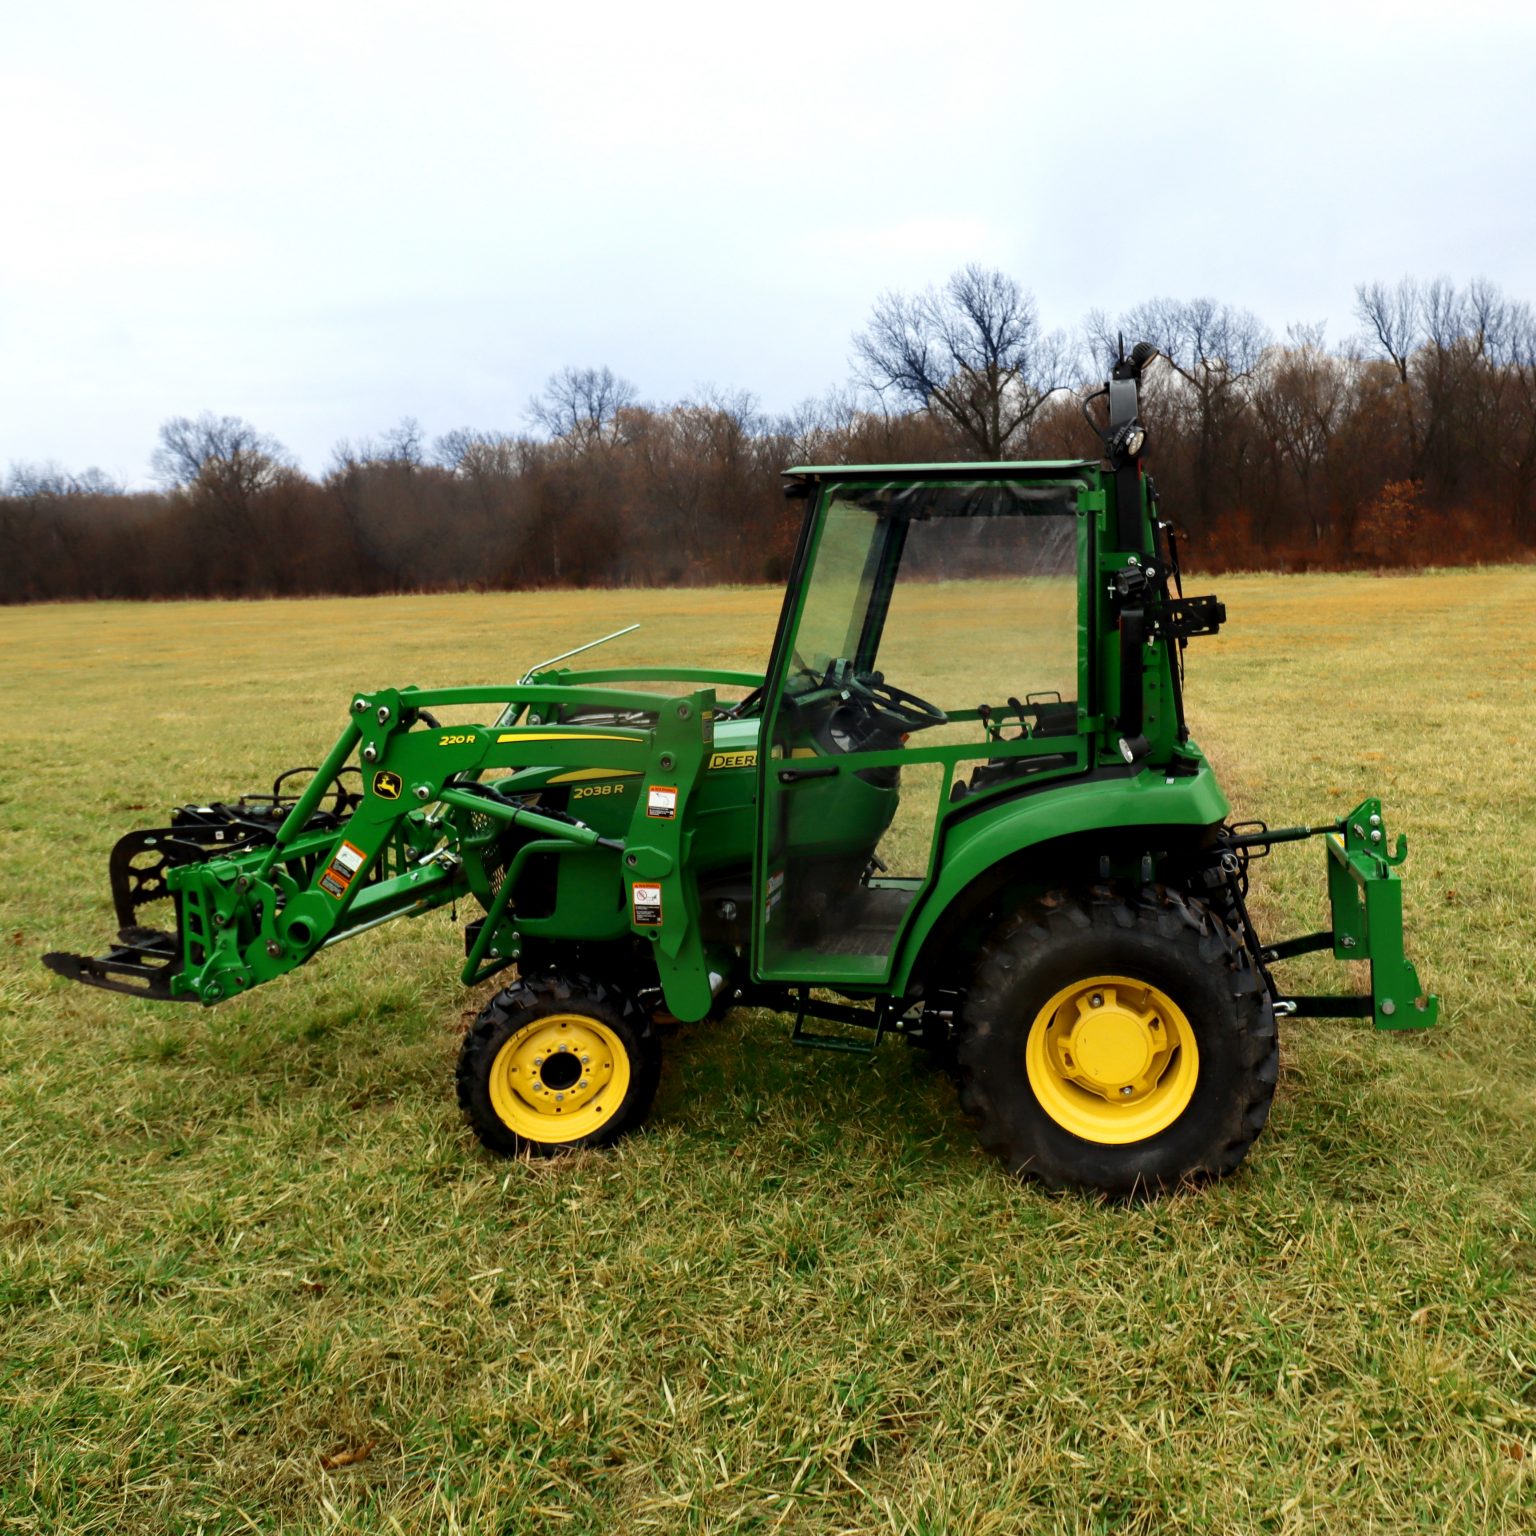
[344, 865]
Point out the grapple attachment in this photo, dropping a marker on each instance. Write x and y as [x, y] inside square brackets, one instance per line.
[144, 959]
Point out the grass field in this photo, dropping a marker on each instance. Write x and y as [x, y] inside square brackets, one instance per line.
[255, 1275]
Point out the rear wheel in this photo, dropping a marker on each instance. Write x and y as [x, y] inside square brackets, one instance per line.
[556, 1063]
[1118, 1043]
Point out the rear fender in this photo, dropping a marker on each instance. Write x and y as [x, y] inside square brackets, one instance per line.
[1051, 836]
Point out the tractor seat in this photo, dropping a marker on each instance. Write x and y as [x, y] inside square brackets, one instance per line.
[1000, 770]
[1055, 720]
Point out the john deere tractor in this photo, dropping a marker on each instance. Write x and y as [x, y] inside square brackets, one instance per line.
[1008, 849]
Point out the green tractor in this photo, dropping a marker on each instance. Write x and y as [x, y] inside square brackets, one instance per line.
[1011, 852]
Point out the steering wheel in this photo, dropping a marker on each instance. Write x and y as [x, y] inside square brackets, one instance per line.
[894, 707]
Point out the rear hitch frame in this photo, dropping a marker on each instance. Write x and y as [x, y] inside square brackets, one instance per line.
[1365, 895]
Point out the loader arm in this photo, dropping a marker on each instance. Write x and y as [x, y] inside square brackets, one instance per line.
[427, 827]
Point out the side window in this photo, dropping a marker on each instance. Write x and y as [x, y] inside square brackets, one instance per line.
[986, 611]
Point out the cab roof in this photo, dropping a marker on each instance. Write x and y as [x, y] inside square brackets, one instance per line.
[1006, 469]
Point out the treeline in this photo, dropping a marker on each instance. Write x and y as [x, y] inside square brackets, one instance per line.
[1412, 443]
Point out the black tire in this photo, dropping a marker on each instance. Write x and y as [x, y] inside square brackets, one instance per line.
[1056, 956]
[555, 1063]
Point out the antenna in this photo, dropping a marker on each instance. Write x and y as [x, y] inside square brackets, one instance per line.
[566, 655]
[511, 712]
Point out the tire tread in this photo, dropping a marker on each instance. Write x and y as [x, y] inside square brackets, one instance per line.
[551, 992]
[1185, 923]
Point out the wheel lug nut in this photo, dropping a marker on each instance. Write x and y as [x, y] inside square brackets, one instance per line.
[1097, 1000]
[1127, 1091]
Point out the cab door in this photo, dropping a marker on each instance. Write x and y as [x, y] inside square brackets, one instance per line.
[923, 609]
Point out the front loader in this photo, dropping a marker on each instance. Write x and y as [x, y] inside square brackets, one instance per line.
[1011, 850]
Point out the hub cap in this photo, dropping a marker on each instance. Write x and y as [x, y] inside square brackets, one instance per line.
[560, 1078]
[1112, 1060]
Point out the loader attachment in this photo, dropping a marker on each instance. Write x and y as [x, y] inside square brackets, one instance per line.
[141, 963]
[143, 960]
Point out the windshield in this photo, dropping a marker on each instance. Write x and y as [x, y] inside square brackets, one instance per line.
[837, 598]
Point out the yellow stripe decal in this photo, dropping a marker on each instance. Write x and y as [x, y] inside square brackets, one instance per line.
[564, 736]
[594, 773]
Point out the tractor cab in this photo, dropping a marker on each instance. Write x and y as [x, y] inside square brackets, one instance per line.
[932, 656]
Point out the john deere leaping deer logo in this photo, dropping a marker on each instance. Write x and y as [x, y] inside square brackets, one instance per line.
[387, 785]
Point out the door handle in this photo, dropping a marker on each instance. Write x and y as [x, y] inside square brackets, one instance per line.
[821, 771]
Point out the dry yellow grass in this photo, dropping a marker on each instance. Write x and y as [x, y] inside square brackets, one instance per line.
[255, 1276]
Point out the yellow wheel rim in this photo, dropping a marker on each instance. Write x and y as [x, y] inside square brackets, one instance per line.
[1112, 1060]
[559, 1078]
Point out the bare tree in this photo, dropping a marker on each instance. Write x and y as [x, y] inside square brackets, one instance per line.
[403, 444]
[971, 353]
[217, 451]
[1209, 345]
[1391, 317]
[224, 462]
[1516, 356]
[453, 446]
[1487, 313]
[815, 431]
[1301, 396]
[227, 470]
[581, 405]
[31, 481]
[1440, 340]
[51, 521]
[402, 447]
[1213, 351]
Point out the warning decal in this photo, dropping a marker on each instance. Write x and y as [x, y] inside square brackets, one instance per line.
[645, 903]
[661, 801]
[345, 863]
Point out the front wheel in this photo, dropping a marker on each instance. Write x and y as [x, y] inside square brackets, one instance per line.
[1118, 1043]
[554, 1063]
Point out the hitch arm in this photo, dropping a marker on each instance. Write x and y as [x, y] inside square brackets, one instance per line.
[1365, 893]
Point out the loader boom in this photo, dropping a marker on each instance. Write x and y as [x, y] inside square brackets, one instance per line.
[430, 827]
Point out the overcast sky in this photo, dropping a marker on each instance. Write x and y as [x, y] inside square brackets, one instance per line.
[324, 217]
